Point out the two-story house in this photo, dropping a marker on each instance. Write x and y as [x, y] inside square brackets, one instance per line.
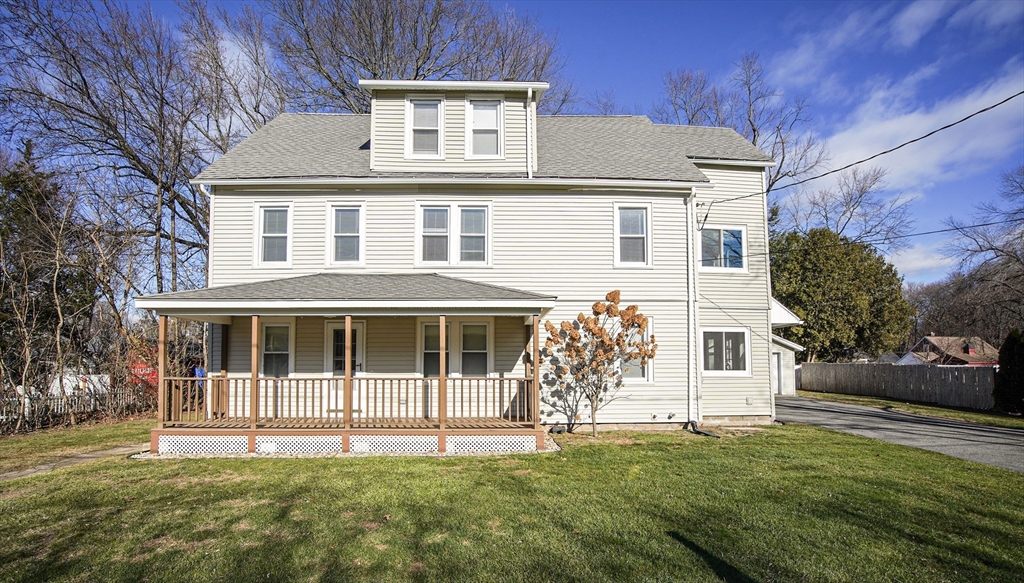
[378, 282]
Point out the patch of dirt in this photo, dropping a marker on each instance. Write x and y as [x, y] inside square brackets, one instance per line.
[242, 526]
[381, 547]
[522, 472]
[371, 526]
[437, 538]
[417, 568]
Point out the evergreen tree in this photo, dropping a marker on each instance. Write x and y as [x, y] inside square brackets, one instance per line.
[848, 295]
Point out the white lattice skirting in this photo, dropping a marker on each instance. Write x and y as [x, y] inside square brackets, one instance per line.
[473, 443]
[203, 444]
[392, 443]
[299, 444]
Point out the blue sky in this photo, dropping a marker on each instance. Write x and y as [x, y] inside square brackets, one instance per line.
[876, 74]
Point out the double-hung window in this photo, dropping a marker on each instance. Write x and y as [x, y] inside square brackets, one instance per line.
[435, 235]
[722, 248]
[453, 234]
[346, 235]
[484, 129]
[432, 350]
[425, 128]
[632, 235]
[726, 351]
[276, 350]
[272, 242]
[474, 350]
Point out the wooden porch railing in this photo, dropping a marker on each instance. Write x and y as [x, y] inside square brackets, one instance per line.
[320, 401]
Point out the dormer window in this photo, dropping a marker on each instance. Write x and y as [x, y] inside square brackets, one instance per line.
[425, 128]
[484, 137]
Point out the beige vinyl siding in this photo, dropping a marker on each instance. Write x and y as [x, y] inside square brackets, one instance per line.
[727, 395]
[551, 242]
[388, 137]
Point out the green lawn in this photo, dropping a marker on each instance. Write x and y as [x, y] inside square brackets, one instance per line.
[793, 503]
[18, 452]
[974, 416]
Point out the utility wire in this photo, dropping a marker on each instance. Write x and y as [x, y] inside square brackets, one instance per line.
[906, 236]
[852, 164]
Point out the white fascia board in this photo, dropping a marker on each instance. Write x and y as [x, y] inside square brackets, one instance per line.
[787, 343]
[427, 85]
[724, 162]
[569, 183]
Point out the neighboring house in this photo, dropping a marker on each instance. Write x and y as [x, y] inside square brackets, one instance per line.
[784, 351]
[952, 351]
[341, 245]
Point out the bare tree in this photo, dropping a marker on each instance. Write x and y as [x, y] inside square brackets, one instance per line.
[759, 112]
[855, 209]
[103, 88]
[326, 47]
[1000, 240]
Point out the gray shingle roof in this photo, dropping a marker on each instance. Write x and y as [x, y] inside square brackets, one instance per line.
[358, 286]
[608, 147]
[614, 147]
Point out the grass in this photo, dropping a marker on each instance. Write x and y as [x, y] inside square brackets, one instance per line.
[18, 452]
[794, 503]
[974, 416]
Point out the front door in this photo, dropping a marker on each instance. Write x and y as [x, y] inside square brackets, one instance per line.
[336, 348]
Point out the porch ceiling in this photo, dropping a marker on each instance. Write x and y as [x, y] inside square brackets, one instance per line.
[333, 294]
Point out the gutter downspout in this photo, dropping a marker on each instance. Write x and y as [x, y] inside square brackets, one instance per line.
[772, 389]
[529, 142]
[692, 370]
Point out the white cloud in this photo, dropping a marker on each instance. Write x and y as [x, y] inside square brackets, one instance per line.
[806, 63]
[922, 262]
[916, 20]
[891, 115]
[989, 15]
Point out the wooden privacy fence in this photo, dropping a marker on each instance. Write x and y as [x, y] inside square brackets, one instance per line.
[954, 386]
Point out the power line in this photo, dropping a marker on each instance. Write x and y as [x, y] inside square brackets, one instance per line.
[905, 236]
[907, 143]
[869, 158]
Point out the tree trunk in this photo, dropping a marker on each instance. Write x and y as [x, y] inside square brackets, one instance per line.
[593, 415]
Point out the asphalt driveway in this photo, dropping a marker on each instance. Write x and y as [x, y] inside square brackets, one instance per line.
[995, 446]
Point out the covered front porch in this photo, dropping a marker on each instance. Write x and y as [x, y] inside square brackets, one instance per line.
[300, 376]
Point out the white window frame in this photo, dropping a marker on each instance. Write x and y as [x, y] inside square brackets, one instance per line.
[455, 324]
[409, 153]
[257, 248]
[747, 372]
[455, 234]
[500, 99]
[329, 327]
[329, 254]
[288, 321]
[648, 377]
[700, 249]
[648, 236]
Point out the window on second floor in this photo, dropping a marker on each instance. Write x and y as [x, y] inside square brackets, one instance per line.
[632, 235]
[453, 234]
[346, 239]
[425, 128]
[484, 137]
[722, 247]
[273, 234]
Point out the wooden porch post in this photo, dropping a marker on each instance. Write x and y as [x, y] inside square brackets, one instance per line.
[442, 381]
[254, 389]
[347, 387]
[161, 357]
[536, 372]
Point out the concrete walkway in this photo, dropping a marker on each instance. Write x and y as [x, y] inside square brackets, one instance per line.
[78, 459]
[994, 446]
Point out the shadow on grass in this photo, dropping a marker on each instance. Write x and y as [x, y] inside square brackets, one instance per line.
[722, 569]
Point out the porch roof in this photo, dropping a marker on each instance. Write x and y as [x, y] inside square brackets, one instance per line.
[332, 294]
